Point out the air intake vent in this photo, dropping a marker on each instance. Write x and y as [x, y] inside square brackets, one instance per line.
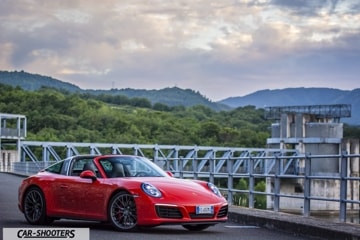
[223, 212]
[168, 212]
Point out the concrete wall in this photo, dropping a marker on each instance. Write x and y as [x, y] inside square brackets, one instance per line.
[7, 158]
[298, 127]
[324, 166]
[319, 188]
[275, 130]
[324, 130]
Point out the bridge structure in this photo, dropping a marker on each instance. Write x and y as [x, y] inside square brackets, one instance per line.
[225, 167]
[277, 165]
[174, 158]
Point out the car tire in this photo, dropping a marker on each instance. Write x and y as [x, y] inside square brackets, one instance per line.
[35, 207]
[122, 211]
[196, 227]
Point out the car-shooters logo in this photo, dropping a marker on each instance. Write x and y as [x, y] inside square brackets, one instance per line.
[46, 233]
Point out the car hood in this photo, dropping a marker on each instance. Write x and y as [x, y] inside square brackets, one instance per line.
[183, 190]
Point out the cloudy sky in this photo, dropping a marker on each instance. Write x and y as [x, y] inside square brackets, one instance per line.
[221, 48]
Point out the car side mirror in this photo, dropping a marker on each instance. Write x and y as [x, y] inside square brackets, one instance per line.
[88, 174]
[169, 173]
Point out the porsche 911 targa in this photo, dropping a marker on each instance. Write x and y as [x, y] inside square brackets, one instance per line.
[127, 191]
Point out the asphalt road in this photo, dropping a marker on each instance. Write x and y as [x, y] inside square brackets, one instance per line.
[11, 217]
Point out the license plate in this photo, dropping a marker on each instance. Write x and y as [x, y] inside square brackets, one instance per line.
[204, 209]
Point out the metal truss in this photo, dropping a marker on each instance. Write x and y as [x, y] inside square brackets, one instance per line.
[203, 160]
[335, 111]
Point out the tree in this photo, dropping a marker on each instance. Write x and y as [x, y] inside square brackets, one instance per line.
[260, 200]
[242, 199]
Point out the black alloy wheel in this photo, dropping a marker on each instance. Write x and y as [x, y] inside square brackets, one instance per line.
[122, 211]
[35, 207]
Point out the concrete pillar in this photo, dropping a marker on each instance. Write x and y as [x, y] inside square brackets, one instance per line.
[354, 163]
[300, 147]
[9, 162]
[2, 161]
[299, 125]
[269, 190]
[284, 126]
[352, 147]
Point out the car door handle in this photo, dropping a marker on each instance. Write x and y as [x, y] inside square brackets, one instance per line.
[63, 186]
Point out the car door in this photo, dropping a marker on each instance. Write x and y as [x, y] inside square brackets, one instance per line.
[67, 195]
[79, 197]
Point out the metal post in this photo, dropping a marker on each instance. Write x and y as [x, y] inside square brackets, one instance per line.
[92, 150]
[277, 184]
[230, 179]
[343, 186]
[181, 167]
[212, 169]
[45, 157]
[307, 186]
[113, 151]
[136, 150]
[156, 155]
[195, 165]
[68, 151]
[175, 161]
[251, 182]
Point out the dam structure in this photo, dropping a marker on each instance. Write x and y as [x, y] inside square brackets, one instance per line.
[314, 130]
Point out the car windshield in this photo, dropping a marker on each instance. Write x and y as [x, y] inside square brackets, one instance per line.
[130, 166]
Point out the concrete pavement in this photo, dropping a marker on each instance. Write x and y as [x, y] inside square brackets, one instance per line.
[300, 225]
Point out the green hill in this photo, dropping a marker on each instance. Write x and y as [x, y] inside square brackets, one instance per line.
[32, 82]
[168, 96]
[54, 115]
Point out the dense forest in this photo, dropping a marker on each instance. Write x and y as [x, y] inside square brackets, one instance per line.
[54, 115]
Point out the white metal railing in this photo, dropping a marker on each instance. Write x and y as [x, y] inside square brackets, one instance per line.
[226, 171]
[347, 179]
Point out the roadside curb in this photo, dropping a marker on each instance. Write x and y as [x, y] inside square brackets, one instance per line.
[299, 225]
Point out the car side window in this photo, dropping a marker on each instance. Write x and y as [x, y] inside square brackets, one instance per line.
[76, 168]
[80, 165]
[115, 168]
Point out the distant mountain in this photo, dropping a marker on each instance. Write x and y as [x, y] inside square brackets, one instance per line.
[169, 96]
[186, 97]
[32, 82]
[300, 97]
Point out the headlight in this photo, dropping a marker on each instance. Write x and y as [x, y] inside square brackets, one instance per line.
[214, 189]
[150, 190]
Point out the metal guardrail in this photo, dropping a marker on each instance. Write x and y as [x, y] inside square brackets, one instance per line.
[229, 170]
[232, 172]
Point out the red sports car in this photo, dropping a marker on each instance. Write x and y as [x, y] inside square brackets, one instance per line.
[127, 191]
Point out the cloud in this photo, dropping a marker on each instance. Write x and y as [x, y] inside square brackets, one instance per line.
[220, 48]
